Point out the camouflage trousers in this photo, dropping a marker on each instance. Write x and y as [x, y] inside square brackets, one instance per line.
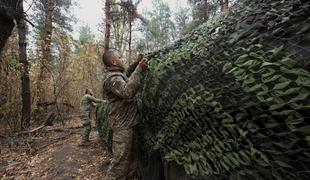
[125, 155]
[86, 128]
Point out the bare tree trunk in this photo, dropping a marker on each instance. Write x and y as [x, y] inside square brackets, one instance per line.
[132, 15]
[107, 25]
[123, 35]
[224, 5]
[129, 41]
[206, 12]
[25, 92]
[43, 80]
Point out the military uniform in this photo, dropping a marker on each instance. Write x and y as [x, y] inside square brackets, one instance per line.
[122, 115]
[88, 101]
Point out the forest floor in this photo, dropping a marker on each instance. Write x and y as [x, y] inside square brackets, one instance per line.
[52, 153]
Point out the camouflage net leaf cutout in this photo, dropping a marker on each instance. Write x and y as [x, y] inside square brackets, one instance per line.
[104, 131]
[231, 100]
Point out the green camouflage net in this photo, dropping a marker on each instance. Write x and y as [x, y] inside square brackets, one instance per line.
[104, 131]
[231, 100]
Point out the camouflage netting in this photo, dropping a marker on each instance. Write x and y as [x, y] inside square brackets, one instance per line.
[232, 100]
[102, 126]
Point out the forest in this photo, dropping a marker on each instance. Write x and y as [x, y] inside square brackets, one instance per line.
[226, 94]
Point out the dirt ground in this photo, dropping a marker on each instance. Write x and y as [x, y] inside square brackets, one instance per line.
[52, 153]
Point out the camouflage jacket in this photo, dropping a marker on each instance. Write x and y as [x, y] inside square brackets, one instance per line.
[120, 89]
[86, 103]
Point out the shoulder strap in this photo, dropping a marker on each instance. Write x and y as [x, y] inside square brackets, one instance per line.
[108, 75]
[111, 74]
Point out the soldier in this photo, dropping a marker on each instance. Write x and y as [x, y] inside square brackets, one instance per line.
[88, 101]
[120, 87]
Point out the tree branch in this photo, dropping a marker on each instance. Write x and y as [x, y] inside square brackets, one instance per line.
[28, 21]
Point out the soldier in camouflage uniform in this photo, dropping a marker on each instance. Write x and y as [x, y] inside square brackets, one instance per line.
[88, 101]
[120, 87]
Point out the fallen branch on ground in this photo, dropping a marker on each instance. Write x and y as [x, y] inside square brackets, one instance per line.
[54, 141]
[3, 136]
[30, 131]
[53, 103]
[43, 126]
[63, 129]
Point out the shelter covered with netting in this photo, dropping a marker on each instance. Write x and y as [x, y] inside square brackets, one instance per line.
[231, 100]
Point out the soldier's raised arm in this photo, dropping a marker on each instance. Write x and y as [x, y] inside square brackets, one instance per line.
[133, 66]
[123, 89]
[128, 89]
[93, 99]
[131, 69]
